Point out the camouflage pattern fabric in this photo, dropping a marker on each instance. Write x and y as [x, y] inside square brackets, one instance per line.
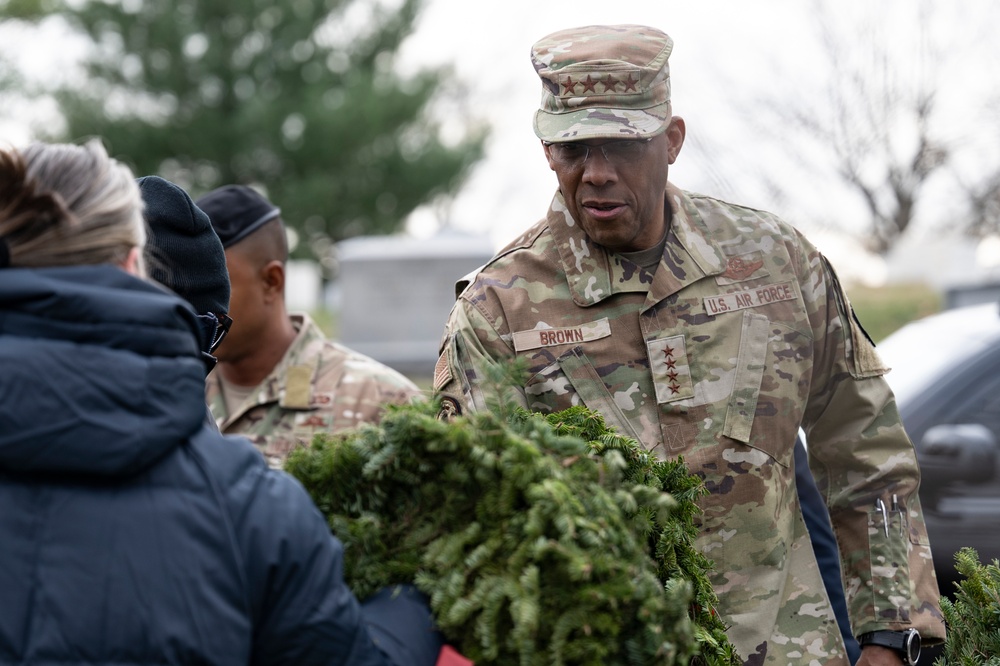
[607, 82]
[740, 335]
[318, 387]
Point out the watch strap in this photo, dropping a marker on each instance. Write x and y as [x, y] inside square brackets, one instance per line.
[894, 640]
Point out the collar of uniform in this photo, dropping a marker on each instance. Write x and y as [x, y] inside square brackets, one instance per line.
[290, 383]
[587, 265]
[274, 387]
[690, 254]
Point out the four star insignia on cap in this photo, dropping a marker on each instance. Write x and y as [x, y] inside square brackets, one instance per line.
[610, 84]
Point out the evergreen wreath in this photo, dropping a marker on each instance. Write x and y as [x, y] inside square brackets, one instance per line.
[539, 539]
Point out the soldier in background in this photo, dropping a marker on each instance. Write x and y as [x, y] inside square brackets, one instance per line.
[279, 381]
[710, 331]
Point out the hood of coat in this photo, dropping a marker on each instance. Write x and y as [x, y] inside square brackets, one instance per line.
[100, 372]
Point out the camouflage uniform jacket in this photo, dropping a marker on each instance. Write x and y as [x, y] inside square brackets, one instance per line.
[740, 336]
[319, 386]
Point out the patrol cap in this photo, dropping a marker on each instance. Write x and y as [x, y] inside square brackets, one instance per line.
[237, 211]
[603, 82]
[183, 252]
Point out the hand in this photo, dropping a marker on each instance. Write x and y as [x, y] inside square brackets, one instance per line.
[876, 655]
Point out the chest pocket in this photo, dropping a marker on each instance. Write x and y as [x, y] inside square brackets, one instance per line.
[732, 381]
[764, 406]
[570, 380]
[747, 378]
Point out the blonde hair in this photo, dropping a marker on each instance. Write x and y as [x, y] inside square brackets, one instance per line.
[67, 205]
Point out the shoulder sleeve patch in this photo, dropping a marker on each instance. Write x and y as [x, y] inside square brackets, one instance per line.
[442, 371]
[450, 409]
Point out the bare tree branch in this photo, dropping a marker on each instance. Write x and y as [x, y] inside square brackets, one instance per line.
[877, 126]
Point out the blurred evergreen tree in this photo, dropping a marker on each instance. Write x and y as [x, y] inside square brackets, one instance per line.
[301, 98]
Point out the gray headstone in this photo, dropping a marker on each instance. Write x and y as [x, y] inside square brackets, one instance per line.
[396, 292]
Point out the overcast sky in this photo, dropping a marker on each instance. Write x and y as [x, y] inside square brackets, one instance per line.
[728, 55]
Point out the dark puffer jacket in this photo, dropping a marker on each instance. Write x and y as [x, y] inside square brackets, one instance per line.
[130, 533]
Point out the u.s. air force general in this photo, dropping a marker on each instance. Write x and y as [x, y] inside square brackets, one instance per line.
[706, 330]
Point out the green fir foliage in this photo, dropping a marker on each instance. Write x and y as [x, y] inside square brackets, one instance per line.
[538, 539]
[670, 537]
[973, 617]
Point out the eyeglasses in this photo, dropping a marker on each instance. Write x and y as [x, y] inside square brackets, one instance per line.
[223, 322]
[620, 152]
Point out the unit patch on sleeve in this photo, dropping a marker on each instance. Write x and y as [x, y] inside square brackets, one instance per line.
[749, 298]
[568, 335]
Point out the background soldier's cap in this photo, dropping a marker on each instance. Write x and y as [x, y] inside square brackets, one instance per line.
[237, 211]
[603, 82]
[183, 252]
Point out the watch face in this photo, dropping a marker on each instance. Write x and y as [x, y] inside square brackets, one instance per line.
[911, 646]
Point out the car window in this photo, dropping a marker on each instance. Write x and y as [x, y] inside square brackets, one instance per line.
[923, 352]
[982, 404]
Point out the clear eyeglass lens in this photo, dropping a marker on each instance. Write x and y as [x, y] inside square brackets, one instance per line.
[623, 150]
[570, 153]
[617, 152]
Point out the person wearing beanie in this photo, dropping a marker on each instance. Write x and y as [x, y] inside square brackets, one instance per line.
[132, 532]
[184, 254]
[183, 251]
[709, 331]
[279, 381]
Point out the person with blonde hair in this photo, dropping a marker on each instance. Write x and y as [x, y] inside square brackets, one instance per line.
[132, 532]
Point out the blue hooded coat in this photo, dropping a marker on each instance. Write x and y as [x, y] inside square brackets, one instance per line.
[130, 532]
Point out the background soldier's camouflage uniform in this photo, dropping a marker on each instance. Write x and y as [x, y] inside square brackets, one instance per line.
[740, 335]
[319, 386]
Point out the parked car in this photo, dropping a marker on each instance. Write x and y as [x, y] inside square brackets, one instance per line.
[946, 377]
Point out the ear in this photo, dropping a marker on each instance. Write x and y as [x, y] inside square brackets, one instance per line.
[273, 277]
[131, 262]
[676, 132]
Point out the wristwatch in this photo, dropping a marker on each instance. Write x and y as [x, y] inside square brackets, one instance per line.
[906, 643]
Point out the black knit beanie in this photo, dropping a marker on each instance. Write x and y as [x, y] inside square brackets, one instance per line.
[183, 252]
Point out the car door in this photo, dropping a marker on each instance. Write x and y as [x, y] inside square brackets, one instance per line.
[960, 511]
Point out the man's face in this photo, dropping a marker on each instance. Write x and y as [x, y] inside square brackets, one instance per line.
[620, 202]
[246, 307]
